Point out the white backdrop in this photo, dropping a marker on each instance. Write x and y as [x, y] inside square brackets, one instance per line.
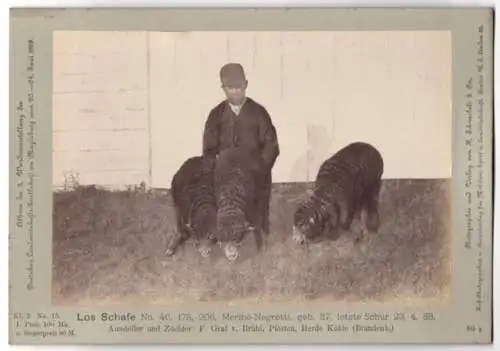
[131, 106]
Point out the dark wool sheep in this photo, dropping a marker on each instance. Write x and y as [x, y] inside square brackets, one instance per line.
[194, 204]
[347, 185]
[238, 178]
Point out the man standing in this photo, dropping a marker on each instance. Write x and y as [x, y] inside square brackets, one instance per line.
[240, 121]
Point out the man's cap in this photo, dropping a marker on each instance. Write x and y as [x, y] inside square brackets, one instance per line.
[232, 74]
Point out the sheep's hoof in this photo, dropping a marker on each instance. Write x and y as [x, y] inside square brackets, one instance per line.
[169, 252]
[204, 251]
[231, 252]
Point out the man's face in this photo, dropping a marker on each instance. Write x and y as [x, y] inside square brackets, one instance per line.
[235, 92]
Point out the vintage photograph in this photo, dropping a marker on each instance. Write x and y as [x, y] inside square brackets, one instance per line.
[230, 166]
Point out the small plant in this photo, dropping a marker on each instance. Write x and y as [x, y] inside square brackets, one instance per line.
[71, 180]
[137, 188]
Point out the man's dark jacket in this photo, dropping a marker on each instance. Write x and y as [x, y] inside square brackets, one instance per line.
[252, 128]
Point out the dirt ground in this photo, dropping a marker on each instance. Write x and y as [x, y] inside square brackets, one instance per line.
[109, 247]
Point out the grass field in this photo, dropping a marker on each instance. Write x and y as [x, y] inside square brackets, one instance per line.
[109, 247]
